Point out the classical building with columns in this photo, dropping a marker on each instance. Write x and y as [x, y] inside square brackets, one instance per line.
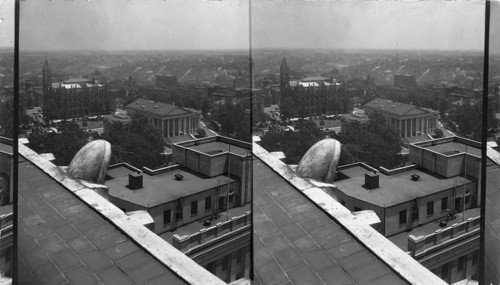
[171, 120]
[409, 119]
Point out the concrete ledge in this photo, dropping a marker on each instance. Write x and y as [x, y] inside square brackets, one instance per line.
[403, 264]
[158, 248]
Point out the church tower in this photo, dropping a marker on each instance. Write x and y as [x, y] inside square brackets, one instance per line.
[284, 73]
[46, 76]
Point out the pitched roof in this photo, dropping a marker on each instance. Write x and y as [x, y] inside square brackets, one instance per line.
[158, 108]
[396, 108]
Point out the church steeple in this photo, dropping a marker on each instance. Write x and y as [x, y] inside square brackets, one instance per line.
[46, 75]
[284, 73]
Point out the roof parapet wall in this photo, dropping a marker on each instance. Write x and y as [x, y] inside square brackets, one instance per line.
[403, 264]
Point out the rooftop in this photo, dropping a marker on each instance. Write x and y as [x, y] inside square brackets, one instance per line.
[215, 147]
[390, 192]
[158, 108]
[492, 229]
[396, 108]
[68, 234]
[453, 147]
[6, 148]
[63, 240]
[296, 242]
[304, 236]
[159, 188]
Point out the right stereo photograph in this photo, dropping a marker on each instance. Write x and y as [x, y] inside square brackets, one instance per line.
[492, 204]
[368, 143]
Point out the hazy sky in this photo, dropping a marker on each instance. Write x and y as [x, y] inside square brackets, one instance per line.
[369, 24]
[133, 24]
[495, 27]
[199, 24]
[6, 23]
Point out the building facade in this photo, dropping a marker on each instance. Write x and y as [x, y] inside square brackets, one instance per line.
[200, 205]
[171, 120]
[410, 120]
[311, 96]
[72, 98]
[429, 208]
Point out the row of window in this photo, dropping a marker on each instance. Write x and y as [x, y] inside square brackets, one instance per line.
[430, 209]
[461, 266]
[167, 214]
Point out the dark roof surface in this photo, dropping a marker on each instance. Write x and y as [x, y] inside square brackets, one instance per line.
[492, 229]
[160, 188]
[158, 108]
[390, 192]
[395, 108]
[61, 240]
[214, 146]
[296, 243]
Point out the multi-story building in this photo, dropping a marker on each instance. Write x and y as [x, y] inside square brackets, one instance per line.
[410, 120]
[165, 81]
[313, 96]
[171, 120]
[404, 81]
[72, 98]
[429, 208]
[200, 205]
[348, 120]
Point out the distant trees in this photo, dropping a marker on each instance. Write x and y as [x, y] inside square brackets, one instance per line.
[201, 133]
[294, 144]
[63, 145]
[468, 118]
[139, 146]
[6, 117]
[232, 120]
[438, 133]
[377, 145]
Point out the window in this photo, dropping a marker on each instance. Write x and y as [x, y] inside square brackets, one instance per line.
[211, 267]
[208, 203]
[444, 271]
[444, 203]
[475, 257]
[166, 217]
[402, 217]
[239, 255]
[231, 198]
[194, 208]
[414, 214]
[225, 262]
[461, 263]
[178, 216]
[430, 208]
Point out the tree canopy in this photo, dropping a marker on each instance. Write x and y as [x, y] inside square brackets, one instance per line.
[141, 145]
[379, 144]
[63, 145]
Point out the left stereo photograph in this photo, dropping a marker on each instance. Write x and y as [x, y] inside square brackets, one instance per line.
[7, 194]
[135, 155]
